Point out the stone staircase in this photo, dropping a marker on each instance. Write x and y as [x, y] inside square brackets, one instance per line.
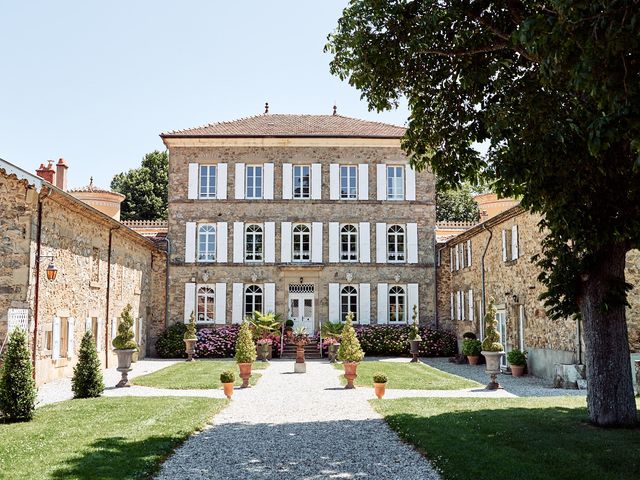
[310, 351]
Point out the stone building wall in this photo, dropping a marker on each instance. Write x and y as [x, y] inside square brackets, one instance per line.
[633, 312]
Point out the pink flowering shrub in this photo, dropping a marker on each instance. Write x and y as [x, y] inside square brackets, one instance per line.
[220, 342]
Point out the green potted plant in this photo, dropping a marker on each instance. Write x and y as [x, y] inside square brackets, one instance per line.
[300, 338]
[518, 360]
[190, 338]
[472, 347]
[265, 325]
[414, 336]
[331, 333]
[379, 384]
[228, 379]
[288, 329]
[245, 353]
[492, 349]
[124, 345]
[350, 352]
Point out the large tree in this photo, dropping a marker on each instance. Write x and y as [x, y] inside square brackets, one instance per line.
[456, 204]
[554, 87]
[145, 188]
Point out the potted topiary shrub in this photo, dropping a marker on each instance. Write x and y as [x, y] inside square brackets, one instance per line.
[518, 360]
[414, 336]
[492, 349]
[350, 352]
[228, 379]
[379, 384]
[190, 337]
[472, 347]
[331, 333]
[124, 345]
[300, 338]
[17, 387]
[245, 353]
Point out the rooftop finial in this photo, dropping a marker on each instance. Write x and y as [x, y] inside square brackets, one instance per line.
[335, 109]
[266, 107]
[91, 181]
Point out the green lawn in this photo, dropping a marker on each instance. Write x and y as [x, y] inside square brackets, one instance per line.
[409, 376]
[200, 374]
[523, 438]
[101, 438]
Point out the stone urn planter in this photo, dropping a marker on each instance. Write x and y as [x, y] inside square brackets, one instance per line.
[333, 352]
[190, 348]
[245, 374]
[492, 368]
[350, 373]
[415, 349]
[264, 349]
[124, 365]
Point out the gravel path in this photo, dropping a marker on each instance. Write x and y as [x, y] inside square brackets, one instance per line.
[298, 426]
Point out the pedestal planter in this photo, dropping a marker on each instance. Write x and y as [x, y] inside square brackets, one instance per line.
[190, 348]
[300, 366]
[124, 366]
[473, 360]
[379, 389]
[333, 352]
[415, 349]
[493, 368]
[245, 374]
[228, 389]
[350, 374]
[517, 370]
[264, 349]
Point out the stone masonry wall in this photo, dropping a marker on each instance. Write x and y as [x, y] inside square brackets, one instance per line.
[633, 312]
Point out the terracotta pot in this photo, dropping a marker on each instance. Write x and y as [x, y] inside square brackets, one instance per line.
[379, 389]
[228, 389]
[350, 374]
[190, 348]
[245, 374]
[124, 365]
[517, 370]
[473, 360]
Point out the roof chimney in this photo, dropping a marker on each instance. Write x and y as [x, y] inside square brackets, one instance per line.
[61, 175]
[47, 173]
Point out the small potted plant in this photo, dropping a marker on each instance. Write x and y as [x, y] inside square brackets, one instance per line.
[518, 360]
[332, 348]
[414, 336]
[264, 325]
[350, 351]
[245, 353]
[379, 384]
[228, 379]
[492, 349]
[331, 333]
[471, 347]
[124, 345]
[264, 348]
[300, 338]
[190, 338]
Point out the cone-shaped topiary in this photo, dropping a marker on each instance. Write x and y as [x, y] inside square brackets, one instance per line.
[350, 350]
[491, 342]
[125, 338]
[190, 333]
[17, 387]
[414, 333]
[245, 348]
[87, 376]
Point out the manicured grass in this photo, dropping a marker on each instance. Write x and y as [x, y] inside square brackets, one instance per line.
[523, 438]
[409, 376]
[200, 374]
[101, 438]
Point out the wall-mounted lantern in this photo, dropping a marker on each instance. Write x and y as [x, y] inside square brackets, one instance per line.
[51, 271]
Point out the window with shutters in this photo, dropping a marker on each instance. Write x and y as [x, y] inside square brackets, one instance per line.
[206, 243]
[348, 302]
[252, 299]
[396, 244]
[64, 337]
[397, 301]
[509, 238]
[349, 243]
[348, 182]
[254, 182]
[207, 177]
[395, 183]
[301, 243]
[301, 181]
[206, 305]
[48, 340]
[254, 243]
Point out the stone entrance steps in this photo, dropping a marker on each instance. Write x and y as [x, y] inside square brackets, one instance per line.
[310, 351]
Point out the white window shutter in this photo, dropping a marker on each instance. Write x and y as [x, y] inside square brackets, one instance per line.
[114, 328]
[412, 299]
[451, 259]
[221, 242]
[463, 306]
[381, 181]
[221, 182]
[514, 243]
[100, 334]
[87, 324]
[193, 181]
[381, 242]
[363, 181]
[238, 302]
[383, 293]
[334, 242]
[452, 307]
[55, 353]
[238, 242]
[221, 303]
[269, 242]
[285, 242]
[470, 298]
[334, 181]
[457, 258]
[364, 304]
[269, 297]
[287, 181]
[189, 301]
[316, 181]
[190, 242]
[459, 305]
[268, 181]
[364, 238]
[71, 325]
[316, 242]
[239, 181]
[410, 175]
[412, 243]
[334, 303]
[468, 253]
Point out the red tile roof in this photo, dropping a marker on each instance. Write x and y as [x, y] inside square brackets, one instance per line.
[276, 125]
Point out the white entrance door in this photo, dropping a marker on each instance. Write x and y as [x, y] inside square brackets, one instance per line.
[301, 309]
[501, 317]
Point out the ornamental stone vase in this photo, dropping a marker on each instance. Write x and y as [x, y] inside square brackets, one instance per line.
[245, 374]
[190, 348]
[124, 365]
[415, 349]
[300, 366]
[333, 352]
[492, 368]
[350, 374]
[264, 349]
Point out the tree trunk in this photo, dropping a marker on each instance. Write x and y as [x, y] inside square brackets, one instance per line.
[610, 397]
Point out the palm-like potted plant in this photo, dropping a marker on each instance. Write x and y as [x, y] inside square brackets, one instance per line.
[518, 360]
[471, 347]
[492, 349]
[379, 384]
[332, 333]
[300, 338]
[264, 326]
[228, 379]
[414, 336]
[350, 351]
[245, 353]
[190, 337]
[125, 345]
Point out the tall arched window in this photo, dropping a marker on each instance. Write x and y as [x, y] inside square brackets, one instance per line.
[396, 244]
[349, 243]
[253, 243]
[252, 299]
[207, 243]
[349, 302]
[397, 305]
[206, 305]
[301, 243]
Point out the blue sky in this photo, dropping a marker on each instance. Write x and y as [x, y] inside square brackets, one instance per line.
[96, 82]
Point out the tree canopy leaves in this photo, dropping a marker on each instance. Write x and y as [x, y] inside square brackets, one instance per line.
[456, 205]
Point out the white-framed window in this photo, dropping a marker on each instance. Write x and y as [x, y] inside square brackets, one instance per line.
[254, 243]
[253, 299]
[254, 174]
[206, 304]
[207, 176]
[348, 302]
[348, 182]
[396, 244]
[301, 243]
[349, 243]
[395, 183]
[207, 243]
[397, 302]
[301, 181]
